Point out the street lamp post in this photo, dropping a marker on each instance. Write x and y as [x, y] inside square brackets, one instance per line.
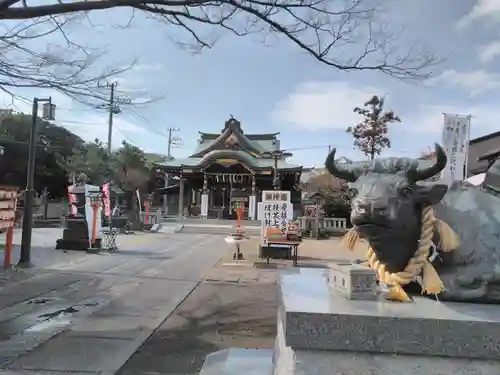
[29, 196]
[277, 155]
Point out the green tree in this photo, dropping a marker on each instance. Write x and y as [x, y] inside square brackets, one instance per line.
[371, 134]
[93, 160]
[55, 144]
[132, 173]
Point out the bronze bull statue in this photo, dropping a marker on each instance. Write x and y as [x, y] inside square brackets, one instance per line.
[445, 240]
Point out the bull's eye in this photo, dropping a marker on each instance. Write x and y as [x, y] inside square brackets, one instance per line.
[352, 192]
[406, 191]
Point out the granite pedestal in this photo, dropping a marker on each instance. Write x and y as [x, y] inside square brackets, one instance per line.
[75, 235]
[321, 331]
[239, 361]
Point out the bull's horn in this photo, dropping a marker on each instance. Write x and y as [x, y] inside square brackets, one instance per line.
[343, 174]
[433, 170]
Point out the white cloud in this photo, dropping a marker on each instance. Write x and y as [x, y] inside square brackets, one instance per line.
[481, 9]
[329, 105]
[316, 106]
[147, 67]
[485, 118]
[489, 51]
[474, 82]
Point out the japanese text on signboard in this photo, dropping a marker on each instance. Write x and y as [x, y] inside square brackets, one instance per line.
[276, 215]
[455, 143]
[276, 196]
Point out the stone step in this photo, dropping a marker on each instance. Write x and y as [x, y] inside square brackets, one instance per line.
[237, 361]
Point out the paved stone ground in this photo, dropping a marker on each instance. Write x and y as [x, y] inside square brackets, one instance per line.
[43, 247]
[235, 306]
[84, 313]
[213, 317]
[311, 252]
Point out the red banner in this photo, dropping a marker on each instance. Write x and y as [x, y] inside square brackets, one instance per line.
[106, 200]
[72, 207]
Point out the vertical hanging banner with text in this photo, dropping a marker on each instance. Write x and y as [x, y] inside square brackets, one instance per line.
[455, 138]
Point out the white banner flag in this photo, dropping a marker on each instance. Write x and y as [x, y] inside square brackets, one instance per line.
[455, 140]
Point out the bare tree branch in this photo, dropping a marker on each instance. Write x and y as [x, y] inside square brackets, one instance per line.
[60, 63]
[348, 35]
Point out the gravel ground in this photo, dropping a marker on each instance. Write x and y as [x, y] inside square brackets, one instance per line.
[214, 317]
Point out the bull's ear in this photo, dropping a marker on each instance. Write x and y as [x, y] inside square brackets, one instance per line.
[432, 194]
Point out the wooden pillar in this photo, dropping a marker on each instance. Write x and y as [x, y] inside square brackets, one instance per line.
[252, 201]
[204, 198]
[181, 197]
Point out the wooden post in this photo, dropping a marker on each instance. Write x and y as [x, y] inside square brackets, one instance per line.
[7, 253]
[146, 212]
[8, 222]
[95, 206]
[239, 214]
[180, 213]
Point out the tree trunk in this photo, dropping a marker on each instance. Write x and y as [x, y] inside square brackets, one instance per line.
[372, 148]
[135, 218]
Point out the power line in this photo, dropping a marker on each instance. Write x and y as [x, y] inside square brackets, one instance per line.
[133, 143]
[135, 112]
[48, 146]
[79, 123]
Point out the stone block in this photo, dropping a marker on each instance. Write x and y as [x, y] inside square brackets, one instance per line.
[315, 318]
[353, 281]
[293, 361]
[155, 228]
[239, 362]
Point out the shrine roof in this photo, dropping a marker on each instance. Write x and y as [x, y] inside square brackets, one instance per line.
[243, 157]
[233, 137]
[253, 137]
[490, 155]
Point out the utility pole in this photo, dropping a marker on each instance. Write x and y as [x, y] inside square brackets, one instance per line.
[329, 177]
[110, 120]
[277, 155]
[114, 109]
[171, 141]
[29, 195]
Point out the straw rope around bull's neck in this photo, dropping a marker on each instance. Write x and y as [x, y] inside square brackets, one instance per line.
[419, 264]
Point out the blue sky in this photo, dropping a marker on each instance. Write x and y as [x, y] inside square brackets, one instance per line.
[278, 88]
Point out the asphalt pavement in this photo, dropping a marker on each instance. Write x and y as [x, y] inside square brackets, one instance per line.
[84, 313]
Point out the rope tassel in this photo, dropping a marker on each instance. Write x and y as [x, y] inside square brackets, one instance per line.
[431, 282]
[419, 264]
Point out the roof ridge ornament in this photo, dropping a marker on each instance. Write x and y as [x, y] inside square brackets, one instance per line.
[233, 124]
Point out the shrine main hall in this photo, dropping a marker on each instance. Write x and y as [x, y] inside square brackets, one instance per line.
[228, 169]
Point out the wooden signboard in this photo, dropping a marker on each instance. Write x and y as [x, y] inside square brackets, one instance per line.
[8, 203]
[275, 211]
